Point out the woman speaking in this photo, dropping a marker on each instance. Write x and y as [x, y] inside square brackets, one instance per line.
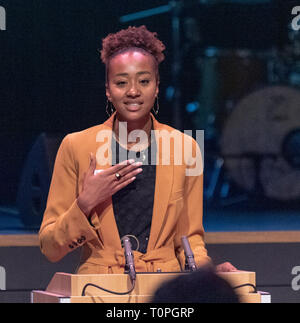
[116, 179]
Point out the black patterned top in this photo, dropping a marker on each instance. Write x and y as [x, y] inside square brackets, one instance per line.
[133, 205]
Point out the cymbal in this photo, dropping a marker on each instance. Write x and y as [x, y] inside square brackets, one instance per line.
[257, 128]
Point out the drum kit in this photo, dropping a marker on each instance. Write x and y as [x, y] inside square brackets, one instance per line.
[248, 104]
[252, 114]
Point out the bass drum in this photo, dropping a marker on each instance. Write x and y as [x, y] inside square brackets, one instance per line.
[252, 142]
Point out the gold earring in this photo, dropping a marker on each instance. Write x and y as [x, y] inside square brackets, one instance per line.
[155, 110]
[109, 106]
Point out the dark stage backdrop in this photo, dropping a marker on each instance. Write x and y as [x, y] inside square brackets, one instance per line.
[51, 76]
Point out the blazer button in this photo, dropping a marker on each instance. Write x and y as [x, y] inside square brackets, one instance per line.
[81, 239]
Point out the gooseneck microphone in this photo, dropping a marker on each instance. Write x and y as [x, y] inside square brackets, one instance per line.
[129, 267]
[189, 256]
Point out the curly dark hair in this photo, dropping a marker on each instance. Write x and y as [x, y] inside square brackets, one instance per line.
[132, 37]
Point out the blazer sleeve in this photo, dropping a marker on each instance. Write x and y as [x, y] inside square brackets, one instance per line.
[190, 222]
[64, 227]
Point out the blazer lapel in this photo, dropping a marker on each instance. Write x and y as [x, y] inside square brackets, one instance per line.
[103, 216]
[163, 187]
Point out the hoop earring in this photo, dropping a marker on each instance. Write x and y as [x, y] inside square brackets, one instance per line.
[109, 106]
[156, 109]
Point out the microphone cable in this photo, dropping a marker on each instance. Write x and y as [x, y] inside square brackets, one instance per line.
[248, 284]
[107, 290]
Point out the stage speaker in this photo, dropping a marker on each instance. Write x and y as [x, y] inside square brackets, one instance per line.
[35, 179]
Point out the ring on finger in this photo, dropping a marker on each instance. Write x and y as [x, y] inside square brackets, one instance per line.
[118, 176]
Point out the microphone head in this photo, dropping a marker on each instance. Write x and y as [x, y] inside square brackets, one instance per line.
[129, 258]
[127, 245]
[189, 256]
[186, 246]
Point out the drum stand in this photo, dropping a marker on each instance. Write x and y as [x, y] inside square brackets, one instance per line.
[174, 7]
[217, 190]
[219, 185]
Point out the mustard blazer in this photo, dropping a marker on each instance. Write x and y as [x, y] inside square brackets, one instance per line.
[177, 211]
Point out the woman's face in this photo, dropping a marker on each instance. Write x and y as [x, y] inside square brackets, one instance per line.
[132, 85]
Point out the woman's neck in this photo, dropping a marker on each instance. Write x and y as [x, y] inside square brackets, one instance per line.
[134, 135]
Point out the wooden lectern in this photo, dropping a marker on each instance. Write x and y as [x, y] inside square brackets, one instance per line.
[67, 288]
